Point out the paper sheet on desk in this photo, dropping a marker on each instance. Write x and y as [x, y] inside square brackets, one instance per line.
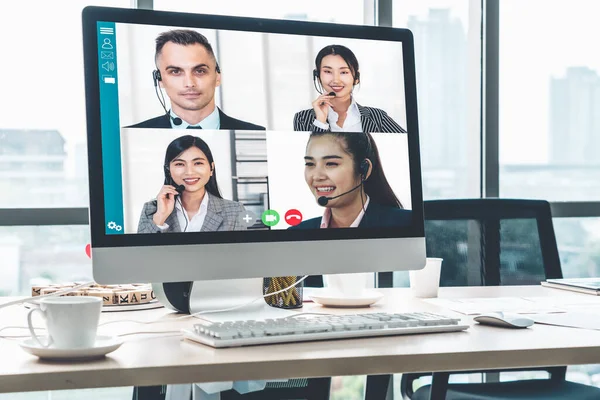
[584, 300]
[481, 305]
[570, 319]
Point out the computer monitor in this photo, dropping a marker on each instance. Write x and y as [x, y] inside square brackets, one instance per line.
[216, 152]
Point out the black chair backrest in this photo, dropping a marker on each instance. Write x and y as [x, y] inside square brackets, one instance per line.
[492, 241]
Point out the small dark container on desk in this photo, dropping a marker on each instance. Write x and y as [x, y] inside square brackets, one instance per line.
[291, 298]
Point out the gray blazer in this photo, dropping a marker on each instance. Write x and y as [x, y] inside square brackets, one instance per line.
[222, 215]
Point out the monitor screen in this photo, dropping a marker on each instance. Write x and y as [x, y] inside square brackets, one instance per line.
[207, 130]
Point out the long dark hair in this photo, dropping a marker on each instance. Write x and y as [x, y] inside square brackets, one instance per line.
[361, 146]
[181, 144]
[336, 50]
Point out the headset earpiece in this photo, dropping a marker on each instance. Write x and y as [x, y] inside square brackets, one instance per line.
[167, 174]
[364, 169]
[315, 74]
[156, 77]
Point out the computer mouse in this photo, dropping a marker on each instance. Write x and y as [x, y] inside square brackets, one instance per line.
[504, 320]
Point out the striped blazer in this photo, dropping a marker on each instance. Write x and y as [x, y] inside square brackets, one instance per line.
[222, 215]
[371, 119]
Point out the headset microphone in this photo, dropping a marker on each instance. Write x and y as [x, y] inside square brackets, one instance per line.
[323, 200]
[364, 169]
[156, 77]
[169, 181]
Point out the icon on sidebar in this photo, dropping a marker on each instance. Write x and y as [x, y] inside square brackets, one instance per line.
[270, 218]
[109, 66]
[112, 225]
[107, 45]
[293, 217]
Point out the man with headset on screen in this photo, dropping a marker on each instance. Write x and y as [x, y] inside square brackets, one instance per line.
[187, 69]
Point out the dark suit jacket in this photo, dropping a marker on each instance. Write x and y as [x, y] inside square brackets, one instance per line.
[376, 216]
[371, 119]
[227, 123]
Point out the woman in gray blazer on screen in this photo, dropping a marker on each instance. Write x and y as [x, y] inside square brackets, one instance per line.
[189, 200]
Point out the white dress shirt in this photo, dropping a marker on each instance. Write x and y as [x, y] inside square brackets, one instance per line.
[351, 123]
[193, 225]
[327, 216]
[212, 121]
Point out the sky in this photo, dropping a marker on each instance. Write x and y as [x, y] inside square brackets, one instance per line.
[43, 85]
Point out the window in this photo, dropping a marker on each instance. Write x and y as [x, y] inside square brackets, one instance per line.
[42, 123]
[447, 51]
[339, 11]
[42, 255]
[578, 241]
[549, 100]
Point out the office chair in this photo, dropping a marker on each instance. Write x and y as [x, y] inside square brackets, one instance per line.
[489, 242]
[298, 389]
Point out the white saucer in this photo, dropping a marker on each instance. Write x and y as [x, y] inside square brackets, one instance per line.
[332, 299]
[103, 346]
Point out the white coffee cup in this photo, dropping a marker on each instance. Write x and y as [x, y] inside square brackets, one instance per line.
[348, 285]
[71, 321]
[425, 282]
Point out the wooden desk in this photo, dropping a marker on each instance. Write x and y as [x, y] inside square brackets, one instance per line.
[146, 360]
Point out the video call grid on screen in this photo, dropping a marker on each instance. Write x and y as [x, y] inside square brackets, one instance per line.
[265, 81]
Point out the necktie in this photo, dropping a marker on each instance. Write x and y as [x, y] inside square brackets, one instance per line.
[194, 127]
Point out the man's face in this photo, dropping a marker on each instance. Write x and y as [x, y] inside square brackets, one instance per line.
[189, 76]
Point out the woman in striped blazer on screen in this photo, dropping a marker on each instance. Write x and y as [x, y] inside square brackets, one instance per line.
[335, 75]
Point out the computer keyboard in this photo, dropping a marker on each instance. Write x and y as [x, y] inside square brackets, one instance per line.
[303, 328]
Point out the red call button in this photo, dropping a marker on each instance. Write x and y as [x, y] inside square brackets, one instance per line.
[293, 217]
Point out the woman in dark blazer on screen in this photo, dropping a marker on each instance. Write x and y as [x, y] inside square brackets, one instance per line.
[344, 173]
[335, 75]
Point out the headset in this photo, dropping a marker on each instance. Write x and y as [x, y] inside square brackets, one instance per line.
[363, 170]
[156, 77]
[179, 188]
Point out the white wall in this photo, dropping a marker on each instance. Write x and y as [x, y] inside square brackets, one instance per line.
[288, 189]
[142, 160]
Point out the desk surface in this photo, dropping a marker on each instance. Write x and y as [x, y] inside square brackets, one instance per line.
[151, 359]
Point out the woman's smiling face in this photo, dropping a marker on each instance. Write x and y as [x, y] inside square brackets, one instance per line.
[191, 168]
[329, 170]
[336, 76]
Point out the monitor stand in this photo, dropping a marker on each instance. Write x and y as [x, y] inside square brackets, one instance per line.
[226, 293]
[243, 296]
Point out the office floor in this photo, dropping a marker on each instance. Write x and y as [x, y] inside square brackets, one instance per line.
[343, 387]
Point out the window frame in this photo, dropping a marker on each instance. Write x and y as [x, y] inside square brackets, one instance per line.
[379, 13]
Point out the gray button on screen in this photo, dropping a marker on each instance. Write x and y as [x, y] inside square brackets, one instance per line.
[247, 218]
